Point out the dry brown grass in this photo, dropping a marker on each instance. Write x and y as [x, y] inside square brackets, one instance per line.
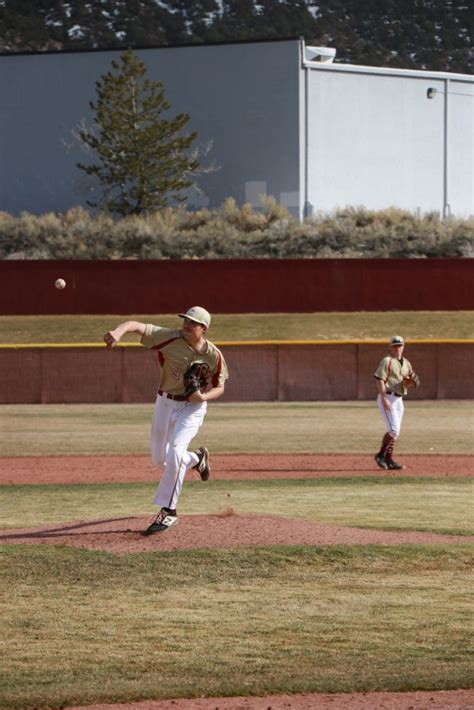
[85, 627]
[364, 326]
[443, 426]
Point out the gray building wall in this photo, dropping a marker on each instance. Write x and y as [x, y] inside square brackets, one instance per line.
[242, 97]
[312, 135]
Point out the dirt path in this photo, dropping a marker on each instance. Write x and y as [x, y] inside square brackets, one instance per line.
[124, 469]
[421, 700]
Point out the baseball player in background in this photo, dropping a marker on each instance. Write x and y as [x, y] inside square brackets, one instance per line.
[177, 417]
[393, 377]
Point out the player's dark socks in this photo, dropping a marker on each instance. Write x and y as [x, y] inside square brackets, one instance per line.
[387, 445]
[170, 511]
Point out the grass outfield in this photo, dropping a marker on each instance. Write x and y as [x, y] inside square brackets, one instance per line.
[439, 426]
[86, 627]
[260, 326]
[441, 505]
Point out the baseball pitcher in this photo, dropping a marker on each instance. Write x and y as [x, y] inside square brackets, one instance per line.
[192, 373]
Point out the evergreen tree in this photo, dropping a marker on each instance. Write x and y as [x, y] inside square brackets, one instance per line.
[237, 21]
[21, 28]
[144, 163]
[195, 16]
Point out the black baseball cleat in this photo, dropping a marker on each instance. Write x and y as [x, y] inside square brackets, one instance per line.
[202, 466]
[165, 520]
[394, 466]
[381, 462]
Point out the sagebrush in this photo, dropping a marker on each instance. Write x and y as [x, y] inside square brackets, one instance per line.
[235, 232]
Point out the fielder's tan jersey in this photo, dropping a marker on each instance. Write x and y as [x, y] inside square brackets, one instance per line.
[175, 356]
[392, 371]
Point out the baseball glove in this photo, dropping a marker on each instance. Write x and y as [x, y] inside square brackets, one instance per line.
[196, 378]
[412, 380]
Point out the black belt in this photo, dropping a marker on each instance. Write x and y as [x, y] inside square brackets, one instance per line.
[176, 397]
[387, 392]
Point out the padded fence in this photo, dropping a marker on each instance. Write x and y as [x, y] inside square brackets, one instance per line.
[235, 285]
[281, 371]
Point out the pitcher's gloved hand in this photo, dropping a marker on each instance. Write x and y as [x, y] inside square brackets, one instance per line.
[196, 378]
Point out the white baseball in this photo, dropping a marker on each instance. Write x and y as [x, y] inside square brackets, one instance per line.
[60, 283]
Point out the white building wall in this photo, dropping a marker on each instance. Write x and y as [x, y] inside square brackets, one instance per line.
[377, 140]
[460, 147]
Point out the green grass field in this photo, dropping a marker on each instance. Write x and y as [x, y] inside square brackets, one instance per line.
[429, 427]
[85, 627]
[251, 326]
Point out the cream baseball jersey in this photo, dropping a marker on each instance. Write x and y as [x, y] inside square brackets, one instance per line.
[175, 356]
[392, 371]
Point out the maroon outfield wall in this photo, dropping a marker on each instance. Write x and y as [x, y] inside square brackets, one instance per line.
[283, 372]
[236, 286]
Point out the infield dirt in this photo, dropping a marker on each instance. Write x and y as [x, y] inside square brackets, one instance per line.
[129, 469]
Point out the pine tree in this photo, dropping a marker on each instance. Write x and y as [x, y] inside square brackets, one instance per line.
[144, 160]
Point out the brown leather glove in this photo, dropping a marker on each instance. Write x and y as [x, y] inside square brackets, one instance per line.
[412, 380]
[196, 378]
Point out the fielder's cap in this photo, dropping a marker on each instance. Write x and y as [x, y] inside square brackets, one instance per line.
[397, 340]
[198, 315]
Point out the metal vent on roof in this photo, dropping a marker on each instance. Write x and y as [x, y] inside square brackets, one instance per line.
[323, 55]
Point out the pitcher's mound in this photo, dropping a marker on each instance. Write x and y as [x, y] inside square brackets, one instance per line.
[222, 530]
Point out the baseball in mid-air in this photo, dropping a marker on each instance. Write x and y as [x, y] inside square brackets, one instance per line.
[60, 283]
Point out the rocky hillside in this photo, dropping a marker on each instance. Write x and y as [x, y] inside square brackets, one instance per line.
[424, 34]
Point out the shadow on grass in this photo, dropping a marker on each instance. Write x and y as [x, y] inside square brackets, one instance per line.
[66, 529]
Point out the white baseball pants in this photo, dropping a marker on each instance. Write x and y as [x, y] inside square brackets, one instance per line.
[393, 418]
[173, 427]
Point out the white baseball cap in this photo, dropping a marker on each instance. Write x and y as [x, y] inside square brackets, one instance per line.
[198, 315]
[397, 340]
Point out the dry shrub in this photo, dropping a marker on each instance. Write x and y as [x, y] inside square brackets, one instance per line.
[235, 232]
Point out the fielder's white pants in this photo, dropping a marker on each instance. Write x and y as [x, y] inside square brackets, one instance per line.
[173, 427]
[393, 418]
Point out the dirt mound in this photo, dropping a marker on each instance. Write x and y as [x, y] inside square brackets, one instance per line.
[225, 530]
